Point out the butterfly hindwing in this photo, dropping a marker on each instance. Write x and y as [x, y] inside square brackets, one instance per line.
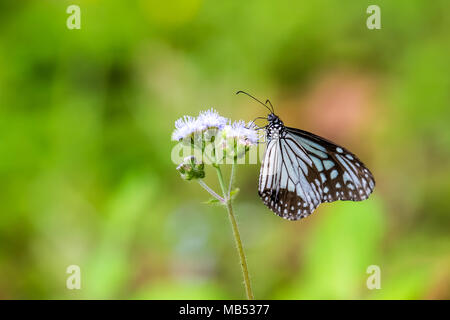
[343, 175]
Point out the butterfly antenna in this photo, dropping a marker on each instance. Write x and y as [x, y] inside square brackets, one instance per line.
[253, 122]
[271, 111]
[257, 118]
[270, 103]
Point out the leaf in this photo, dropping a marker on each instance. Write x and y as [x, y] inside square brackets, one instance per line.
[234, 193]
[212, 201]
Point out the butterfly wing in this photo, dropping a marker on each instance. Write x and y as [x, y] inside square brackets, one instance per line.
[342, 174]
[300, 170]
[287, 183]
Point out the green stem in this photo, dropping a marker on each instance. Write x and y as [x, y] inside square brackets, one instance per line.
[237, 237]
[231, 179]
[221, 181]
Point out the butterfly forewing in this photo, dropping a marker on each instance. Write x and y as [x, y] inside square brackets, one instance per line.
[287, 184]
[300, 170]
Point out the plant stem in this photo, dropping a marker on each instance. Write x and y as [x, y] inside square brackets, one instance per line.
[210, 191]
[231, 180]
[221, 181]
[237, 237]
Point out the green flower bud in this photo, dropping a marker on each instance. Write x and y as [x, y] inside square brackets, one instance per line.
[190, 169]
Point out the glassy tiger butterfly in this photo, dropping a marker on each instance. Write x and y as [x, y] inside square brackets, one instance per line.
[301, 170]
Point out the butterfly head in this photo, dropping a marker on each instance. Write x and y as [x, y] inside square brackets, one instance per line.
[274, 120]
[271, 117]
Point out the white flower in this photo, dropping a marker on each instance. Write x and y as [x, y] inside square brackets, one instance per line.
[245, 134]
[186, 127]
[212, 120]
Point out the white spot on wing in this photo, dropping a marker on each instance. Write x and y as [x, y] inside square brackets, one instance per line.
[334, 174]
[317, 163]
[346, 177]
[328, 164]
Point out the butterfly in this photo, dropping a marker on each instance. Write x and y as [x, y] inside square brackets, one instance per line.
[301, 170]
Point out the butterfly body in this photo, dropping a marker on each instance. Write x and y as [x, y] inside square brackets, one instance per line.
[300, 170]
[275, 128]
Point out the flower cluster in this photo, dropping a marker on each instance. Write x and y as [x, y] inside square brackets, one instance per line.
[187, 127]
[216, 137]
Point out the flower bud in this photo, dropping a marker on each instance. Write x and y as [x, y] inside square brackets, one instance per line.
[189, 169]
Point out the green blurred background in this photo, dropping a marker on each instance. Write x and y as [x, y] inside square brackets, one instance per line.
[85, 171]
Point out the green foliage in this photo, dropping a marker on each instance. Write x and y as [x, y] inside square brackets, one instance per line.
[85, 123]
[345, 242]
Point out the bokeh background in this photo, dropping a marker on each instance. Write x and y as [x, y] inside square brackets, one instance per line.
[86, 176]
